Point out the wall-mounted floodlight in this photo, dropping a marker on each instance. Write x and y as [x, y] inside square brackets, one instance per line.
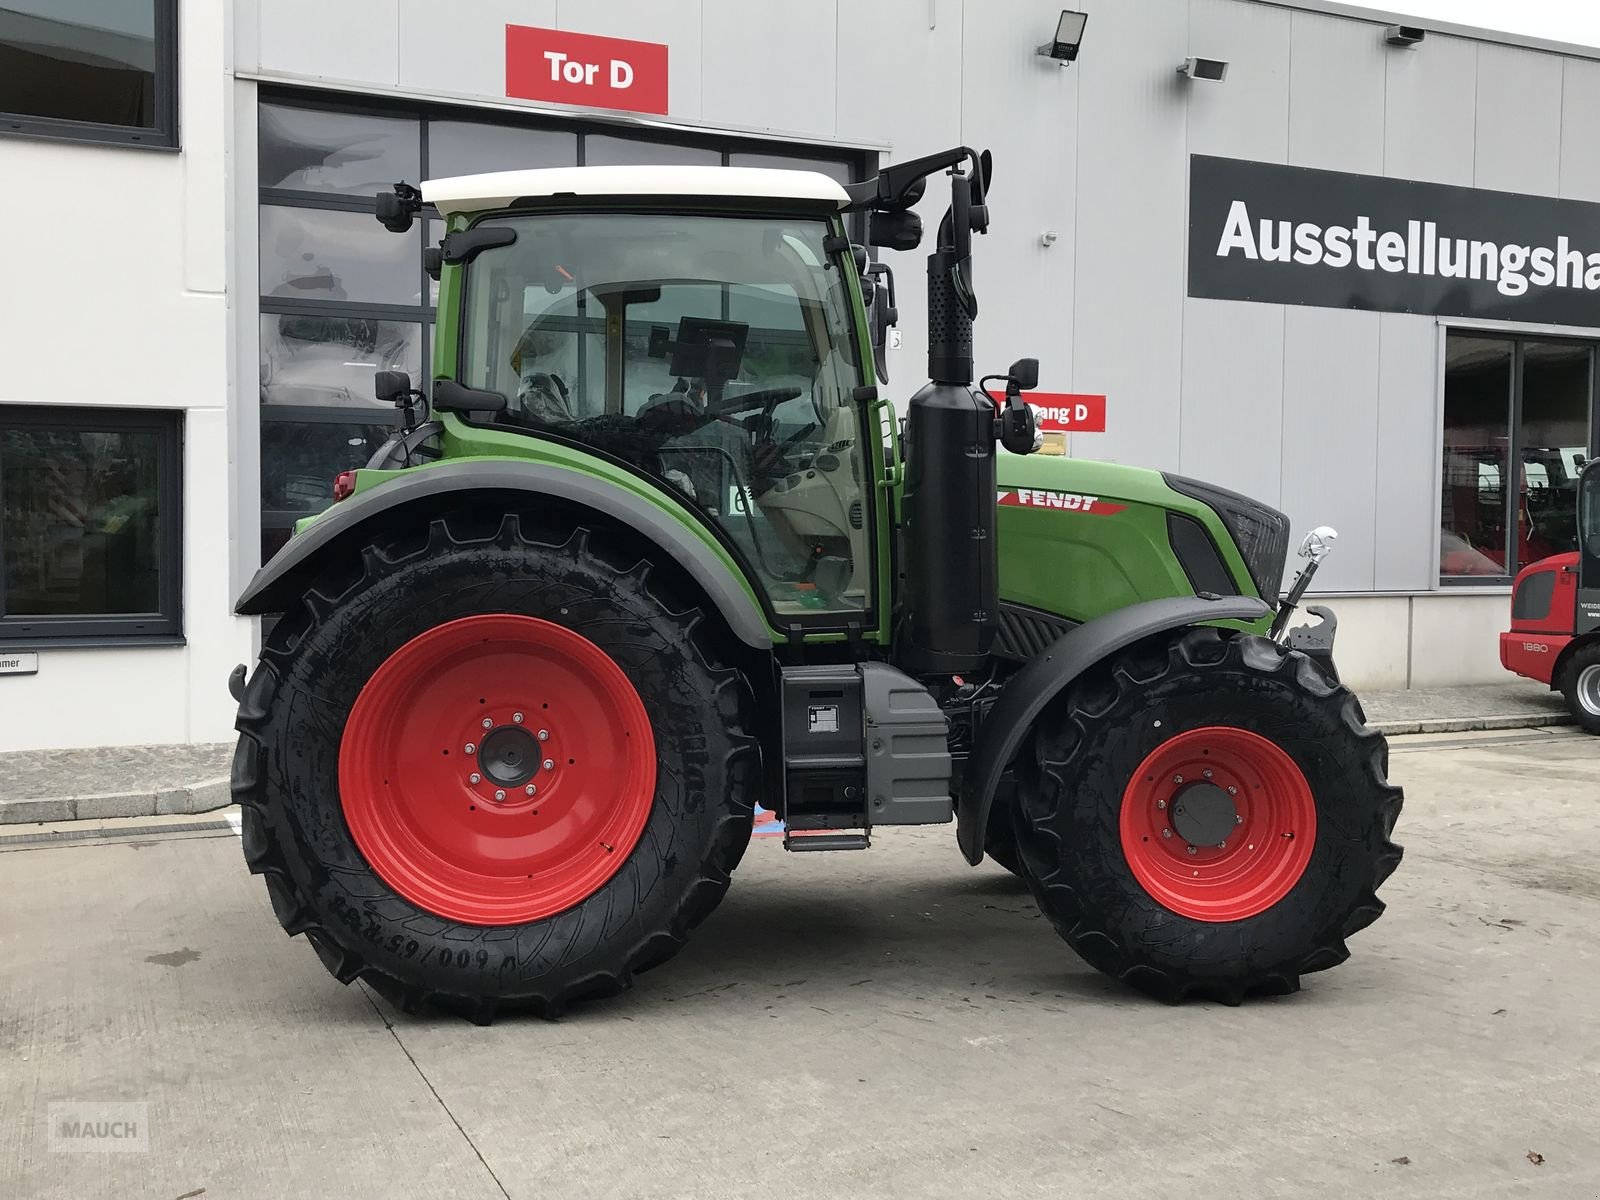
[1211, 70]
[1069, 36]
[1404, 35]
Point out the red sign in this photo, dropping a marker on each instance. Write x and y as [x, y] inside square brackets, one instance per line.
[1060, 501]
[580, 68]
[1064, 412]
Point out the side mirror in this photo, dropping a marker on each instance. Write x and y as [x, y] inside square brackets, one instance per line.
[884, 315]
[900, 230]
[1025, 374]
[390, 386]
[395, 209]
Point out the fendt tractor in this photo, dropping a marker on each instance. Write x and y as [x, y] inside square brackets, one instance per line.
[1555, 614]
[653, 548]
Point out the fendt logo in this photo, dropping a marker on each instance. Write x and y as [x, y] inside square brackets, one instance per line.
[582, 69]
[1061, 501]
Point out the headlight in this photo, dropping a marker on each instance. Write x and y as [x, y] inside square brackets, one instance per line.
[1260, 533]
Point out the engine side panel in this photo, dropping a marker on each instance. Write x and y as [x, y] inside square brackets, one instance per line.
[1081, 539]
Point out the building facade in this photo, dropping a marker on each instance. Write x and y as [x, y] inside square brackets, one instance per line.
[1356, 279]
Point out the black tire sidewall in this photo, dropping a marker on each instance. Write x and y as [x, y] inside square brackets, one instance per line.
[694, 710]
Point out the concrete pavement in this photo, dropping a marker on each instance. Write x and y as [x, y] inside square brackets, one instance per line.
[886, 1024]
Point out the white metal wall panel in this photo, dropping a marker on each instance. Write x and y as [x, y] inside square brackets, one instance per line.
[1580, 129]
[246, 35]
[1230, 423]
[1405, 537]
[354, 40]
[1519, 120]
[1330, 429]
[1430, 118]
[1232, 419]
[769, 64]
[1248, 115]
[1025, 287]
[675, 23]
[462, 48]
[885, 91]
[1131, 227]
[1336, 78]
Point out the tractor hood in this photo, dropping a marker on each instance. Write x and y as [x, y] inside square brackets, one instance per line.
[1079, 538]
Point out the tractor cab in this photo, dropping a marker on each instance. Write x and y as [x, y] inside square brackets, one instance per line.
[695, 325]
[1555, 614]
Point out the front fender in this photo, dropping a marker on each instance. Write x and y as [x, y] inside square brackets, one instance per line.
[281, 582]
[1043, 678]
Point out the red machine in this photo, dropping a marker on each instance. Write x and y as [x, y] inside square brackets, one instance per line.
[1555, 615]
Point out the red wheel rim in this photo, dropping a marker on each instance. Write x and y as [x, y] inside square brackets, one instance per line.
[1236, 789]
[487, 835]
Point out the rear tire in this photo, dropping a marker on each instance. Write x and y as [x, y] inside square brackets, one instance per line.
[1580, 686]
[681, 831]
[1245, 908]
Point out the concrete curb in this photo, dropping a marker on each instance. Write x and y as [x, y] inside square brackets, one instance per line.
[1475, 724]
[203, 796]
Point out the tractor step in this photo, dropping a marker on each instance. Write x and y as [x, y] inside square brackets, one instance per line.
[827, 841]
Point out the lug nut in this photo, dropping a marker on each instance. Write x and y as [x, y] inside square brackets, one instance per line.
[516, 718]
[1177, 779]
[499, 795]
[474, 778]
[1161, 804]
[487, 723]
[469, 747]
[530, 789]
[549, 764]
[1237, 819]
[1166, 833]
[544, 735]
[1222, 845]
[1191, 850]
[1206, 772]
[1232, 791]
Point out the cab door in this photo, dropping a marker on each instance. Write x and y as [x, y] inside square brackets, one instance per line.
[1589, 549]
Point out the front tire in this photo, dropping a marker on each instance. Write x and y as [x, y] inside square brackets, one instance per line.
[1580, 687]
[1207, 816]
[503, 765]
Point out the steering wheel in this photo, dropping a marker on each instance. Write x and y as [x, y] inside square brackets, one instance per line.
[765, 399]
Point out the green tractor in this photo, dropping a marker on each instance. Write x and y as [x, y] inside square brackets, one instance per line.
[654, 549]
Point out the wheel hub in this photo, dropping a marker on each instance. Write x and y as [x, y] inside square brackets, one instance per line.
[509, 756]
[1588, 690]
[1203, 814]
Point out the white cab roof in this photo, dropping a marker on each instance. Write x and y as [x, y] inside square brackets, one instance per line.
[473, 193]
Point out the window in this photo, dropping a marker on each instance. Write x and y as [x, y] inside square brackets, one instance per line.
[713, 353]
[342, 298]
[93, 70]
[90, 525]
[1519, 425]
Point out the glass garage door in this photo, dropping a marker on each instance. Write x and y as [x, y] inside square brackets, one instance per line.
[341, 297]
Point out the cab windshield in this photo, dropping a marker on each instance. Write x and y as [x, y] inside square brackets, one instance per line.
[714, 353]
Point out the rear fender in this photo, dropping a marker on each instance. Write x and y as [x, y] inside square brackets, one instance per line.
[1045, 677]
[346, 527]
